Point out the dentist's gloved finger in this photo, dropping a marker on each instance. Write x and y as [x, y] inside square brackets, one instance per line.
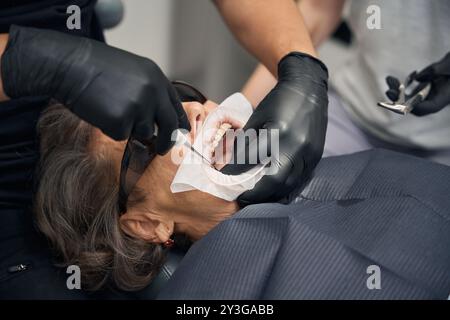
[256, 121]
[433, 104]
[143, 129]
[270, 188]
[392, 82]
[411, 77]
[424, 108]
[167, 120]
[426, 74]
[442, 67]
[183, 121]
[392, 94]
[246, 153]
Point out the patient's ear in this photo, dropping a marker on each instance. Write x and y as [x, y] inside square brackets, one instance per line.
[145, 226]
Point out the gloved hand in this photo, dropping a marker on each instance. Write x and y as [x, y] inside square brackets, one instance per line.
[297, 108]
[119, 92]
[438, 74]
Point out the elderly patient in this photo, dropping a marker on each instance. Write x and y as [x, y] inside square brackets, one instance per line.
[76, 202]
[371, 212]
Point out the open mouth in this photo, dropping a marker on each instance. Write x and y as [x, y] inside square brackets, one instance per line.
[221, 145]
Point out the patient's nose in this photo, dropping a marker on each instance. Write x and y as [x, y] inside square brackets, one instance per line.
[196, 114]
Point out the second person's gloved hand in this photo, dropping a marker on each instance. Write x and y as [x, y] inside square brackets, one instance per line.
[297, 108]
[438, 74]
[119, 92]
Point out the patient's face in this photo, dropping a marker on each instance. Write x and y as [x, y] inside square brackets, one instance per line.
[155, 182]
[196, 113]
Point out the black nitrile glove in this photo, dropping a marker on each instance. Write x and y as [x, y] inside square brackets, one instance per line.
[121, 93]
[297, 108]
[438, 74]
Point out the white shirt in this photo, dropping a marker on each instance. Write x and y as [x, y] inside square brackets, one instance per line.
[413, 34]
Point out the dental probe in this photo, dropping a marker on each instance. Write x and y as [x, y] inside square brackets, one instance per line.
[181, 138]
[187, 144]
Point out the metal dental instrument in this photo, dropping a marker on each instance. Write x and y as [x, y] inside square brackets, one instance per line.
[187, 144]
[402, 105]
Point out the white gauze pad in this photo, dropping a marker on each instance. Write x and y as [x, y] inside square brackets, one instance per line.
[195, 174]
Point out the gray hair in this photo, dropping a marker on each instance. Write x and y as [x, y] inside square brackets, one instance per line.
[76, 207]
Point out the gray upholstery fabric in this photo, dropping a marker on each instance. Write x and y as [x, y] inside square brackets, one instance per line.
[371, 208]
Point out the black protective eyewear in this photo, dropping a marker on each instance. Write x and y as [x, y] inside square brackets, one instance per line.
[138, 154]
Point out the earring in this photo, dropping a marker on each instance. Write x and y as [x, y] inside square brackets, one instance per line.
[169, 243]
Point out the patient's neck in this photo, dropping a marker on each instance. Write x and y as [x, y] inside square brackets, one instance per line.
[194, 213]
[196, 218]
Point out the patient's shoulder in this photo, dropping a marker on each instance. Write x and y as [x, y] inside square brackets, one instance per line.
[262, 211]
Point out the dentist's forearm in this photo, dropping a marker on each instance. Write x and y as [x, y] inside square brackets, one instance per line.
[258, 85]
[269, 29]
[3, 41]
[321, 18]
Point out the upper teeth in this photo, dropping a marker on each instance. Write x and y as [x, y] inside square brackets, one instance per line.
[219, 134]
